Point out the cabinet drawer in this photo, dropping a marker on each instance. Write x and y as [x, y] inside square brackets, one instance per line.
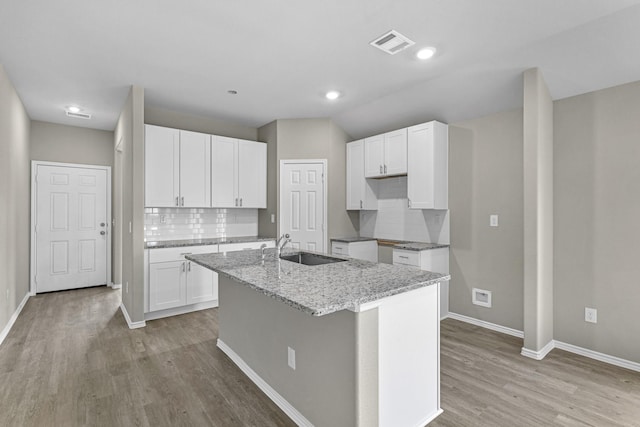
[340, 249]
[230, 247]
[177, 254]
[406, 258]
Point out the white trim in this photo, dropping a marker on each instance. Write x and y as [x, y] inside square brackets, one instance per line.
[430, 418]
[132, 325]
[34, 170]
[487, 325]
[612, 360]
[153, 315]
[13, 318]
[540, 354]
[280, 401]
[116, 286]
[325, 180]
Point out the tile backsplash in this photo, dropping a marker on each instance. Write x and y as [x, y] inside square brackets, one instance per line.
[394, 220]
[184, 223]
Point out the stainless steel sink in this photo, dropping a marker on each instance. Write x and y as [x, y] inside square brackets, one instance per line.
[310, 259]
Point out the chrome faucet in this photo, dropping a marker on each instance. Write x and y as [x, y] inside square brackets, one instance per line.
[281, 243]
[262, 248]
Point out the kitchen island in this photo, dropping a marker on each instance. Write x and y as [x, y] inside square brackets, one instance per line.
[347, 343]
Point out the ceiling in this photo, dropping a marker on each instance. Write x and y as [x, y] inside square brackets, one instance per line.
[283, 55]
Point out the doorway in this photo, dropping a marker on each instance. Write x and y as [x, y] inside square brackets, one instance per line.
[70, 218]
[303, 203]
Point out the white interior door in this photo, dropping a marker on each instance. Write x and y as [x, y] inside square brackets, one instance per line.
[302, 203]
[71, 227]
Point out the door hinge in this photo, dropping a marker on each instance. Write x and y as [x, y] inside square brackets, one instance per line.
[323, 177]
[35, 279]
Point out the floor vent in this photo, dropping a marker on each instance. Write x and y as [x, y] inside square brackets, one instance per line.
[392, 42]
[481, 297]
[79, 115]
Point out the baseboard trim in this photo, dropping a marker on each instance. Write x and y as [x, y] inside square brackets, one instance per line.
[280, 401]
[430, 418]
[538, 355]
[153, 315]
[487, 325]
[612, 360]
[13, 318]
[116, 285]
[132, 325]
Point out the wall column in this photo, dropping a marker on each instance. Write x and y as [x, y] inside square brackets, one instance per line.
[538, 216]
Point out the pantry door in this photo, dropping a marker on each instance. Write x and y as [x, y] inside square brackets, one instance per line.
[303, 202]
[70, 226]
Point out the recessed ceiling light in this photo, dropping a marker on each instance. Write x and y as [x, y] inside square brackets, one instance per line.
[333, 94]
[426, 53]
[73, 109]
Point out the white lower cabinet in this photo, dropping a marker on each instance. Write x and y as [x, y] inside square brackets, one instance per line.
[436, 260]
[366, 250]
[176, 283]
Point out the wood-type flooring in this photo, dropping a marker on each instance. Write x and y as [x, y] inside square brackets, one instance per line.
[70, 360]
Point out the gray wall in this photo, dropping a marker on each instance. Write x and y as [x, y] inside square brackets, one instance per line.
[129, 203]
[70, 144]
[320, 139]
[269, 134]
[14, 200]
[485, 177]
[597, 209]
[538, 211]
[174, 119]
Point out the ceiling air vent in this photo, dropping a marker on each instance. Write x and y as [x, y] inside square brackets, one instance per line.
[392, 42]
[79, 115]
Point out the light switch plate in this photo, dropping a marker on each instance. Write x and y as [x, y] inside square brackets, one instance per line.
[291, 358]
[590, 315]
[493, 220]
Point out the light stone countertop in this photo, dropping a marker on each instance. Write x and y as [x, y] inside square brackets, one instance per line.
[320, 289]
[160, 244]
[417, 246]
[353, 239]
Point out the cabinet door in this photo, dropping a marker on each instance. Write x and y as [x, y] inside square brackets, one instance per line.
[202, 284]
[420, 178]
[355, 175]
[252, 174]
[223, 172]
[395, 152]
[195, 169]
[167, 285]
[161, 166]
[374, 156]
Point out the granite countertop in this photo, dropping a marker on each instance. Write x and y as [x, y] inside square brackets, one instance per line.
[417, 246]
[200, 242]
[320, 289]
[353, 239]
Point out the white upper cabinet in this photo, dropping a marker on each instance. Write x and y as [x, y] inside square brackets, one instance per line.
[252, 174]
[428, 166]
[386, 155]
[177, 168]
[223, 172]
[361, 194]
[239, 173]
[195, 169]
[162, 166]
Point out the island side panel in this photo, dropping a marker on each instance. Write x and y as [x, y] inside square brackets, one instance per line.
[368, 344]
[259, 329]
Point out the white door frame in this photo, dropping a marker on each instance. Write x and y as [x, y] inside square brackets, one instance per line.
[34, 169]
[325, 220]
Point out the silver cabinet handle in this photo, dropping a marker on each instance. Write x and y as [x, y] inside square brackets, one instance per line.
[381, 169]
[240, 201]
[185, 253]
[183, 267]
[360, 204]
[403, 257]
[409, 202]
[385, 169]
[189, 265]
[177, 201]
[181, 201]
[236, 201]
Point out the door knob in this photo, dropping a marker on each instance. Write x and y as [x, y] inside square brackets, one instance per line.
[102, 224]
[102, 233]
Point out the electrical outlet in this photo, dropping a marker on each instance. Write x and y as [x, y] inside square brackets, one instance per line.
[130, 227]
[493, 220]
[590, 315]
[291, 358]
[273, 218]
[7, 294]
